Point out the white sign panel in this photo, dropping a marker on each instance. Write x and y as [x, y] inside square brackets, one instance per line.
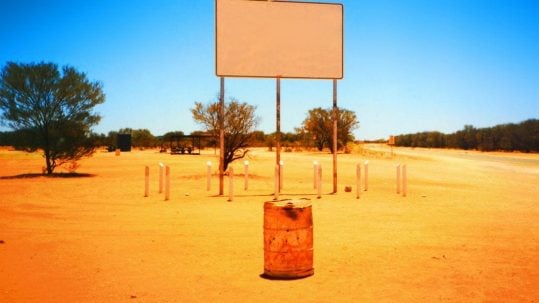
[278, 39]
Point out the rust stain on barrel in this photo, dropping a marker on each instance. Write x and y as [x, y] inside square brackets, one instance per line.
[291, 213]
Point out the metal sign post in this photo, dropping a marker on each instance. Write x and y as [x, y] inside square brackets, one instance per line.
[335, 118]
[221, 136]
[278, 128]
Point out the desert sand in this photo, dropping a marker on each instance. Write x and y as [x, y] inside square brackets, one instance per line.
[468, 230]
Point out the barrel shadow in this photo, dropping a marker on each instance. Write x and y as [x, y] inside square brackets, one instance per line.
[268, 277]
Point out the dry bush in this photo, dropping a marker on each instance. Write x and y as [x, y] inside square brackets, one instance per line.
[71, 166]
[359, 149]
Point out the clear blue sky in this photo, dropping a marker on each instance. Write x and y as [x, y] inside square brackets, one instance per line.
[409, 65]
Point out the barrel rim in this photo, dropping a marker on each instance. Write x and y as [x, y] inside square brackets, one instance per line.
[288, 203]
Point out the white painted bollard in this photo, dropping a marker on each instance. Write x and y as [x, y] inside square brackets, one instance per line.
[208, 175]
[276, 194]
[358, 180]
[281, 165]
[319, 181]
[231, 184]
[366, 175]
[315, 173]
[246, 173]
[404, 181]
[161, 172]
[398, 178]
[146, 181]
[167, 183]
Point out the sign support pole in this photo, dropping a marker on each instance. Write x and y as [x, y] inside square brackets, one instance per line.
[278, 128]
[221, 136]
[335, 118]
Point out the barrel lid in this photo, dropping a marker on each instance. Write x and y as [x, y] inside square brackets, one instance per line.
[289, 203]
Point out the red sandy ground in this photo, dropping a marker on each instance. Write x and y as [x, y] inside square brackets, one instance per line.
[467, 232]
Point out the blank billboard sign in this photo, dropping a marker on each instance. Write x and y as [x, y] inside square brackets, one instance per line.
[278, 39]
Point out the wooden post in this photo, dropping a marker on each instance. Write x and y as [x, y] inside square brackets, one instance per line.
[221, 136]
[246, 173]
[398, 178]
[231, 184]
[208, 176]
[319, 181]
[335, 118]
[167, 183]
[404, 181]
[358, 180]
[315, 173]
[366, 175]
[146, 181]
[281, 165]
[276, 194]
[161, 172]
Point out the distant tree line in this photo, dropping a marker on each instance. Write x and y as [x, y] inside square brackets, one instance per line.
[523, 137]
[304, 137]
[315, 132]
[143, 138]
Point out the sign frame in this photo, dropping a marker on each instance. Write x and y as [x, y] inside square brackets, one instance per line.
[337, 76]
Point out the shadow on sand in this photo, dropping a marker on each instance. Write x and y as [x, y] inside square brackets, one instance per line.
[56, 175]
[268, 277]
[271, 195]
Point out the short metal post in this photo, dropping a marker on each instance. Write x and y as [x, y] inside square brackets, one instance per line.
[276, 194]
[146, 181]
[167, 183]
[231, 184]
[398, 178]
[161, 172]
[404, 181]
[281, 165]
[208, 175]
[358, 180]
[315, 173]
[319, 181]
[246, 174]
[366, 175]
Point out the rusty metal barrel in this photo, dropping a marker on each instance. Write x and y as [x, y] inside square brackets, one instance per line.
[288, 239]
